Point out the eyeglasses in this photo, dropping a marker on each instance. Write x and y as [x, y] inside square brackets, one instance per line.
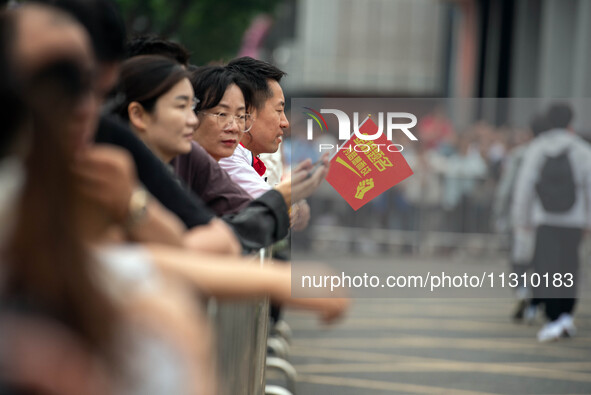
[244, 121]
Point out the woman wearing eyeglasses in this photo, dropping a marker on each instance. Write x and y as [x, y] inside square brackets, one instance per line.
[222, 110]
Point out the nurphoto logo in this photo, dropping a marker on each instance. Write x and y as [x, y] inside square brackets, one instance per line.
[366, 162]
[392, 124]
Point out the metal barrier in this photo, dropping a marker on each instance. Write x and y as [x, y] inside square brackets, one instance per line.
[241, 330]
[421, 242]
[455, 216]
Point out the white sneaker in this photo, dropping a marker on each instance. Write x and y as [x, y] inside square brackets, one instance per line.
[551, 331]
[568, 326]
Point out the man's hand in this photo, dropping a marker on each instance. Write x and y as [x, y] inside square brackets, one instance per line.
[300, 215]
[304, 180]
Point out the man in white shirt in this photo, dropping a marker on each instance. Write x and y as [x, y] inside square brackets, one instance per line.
[269, 121]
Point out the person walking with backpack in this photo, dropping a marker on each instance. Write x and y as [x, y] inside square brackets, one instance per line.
[553, 196]
[522, 240]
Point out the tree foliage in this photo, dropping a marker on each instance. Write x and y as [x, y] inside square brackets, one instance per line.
[211, 29]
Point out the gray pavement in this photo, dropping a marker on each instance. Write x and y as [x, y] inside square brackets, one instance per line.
[437, 346]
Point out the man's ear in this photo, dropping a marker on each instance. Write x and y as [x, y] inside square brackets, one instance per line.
[246, 139]
[137, 116]
[253, 113]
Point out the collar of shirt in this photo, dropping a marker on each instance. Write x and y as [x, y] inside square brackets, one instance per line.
[258, 164]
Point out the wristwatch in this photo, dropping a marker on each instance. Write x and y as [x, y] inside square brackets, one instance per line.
[138, 207]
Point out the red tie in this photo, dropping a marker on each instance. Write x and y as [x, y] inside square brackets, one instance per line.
[258, 165]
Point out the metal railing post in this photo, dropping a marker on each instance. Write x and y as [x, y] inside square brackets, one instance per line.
[242, 329]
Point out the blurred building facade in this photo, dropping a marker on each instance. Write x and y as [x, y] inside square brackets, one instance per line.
[436, 48]
[374, 47]
[492, 50]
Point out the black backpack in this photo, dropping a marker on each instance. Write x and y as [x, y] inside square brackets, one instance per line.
[556, 186]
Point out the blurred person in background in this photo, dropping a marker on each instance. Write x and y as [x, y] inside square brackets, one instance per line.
[489, 142]
[464, 169]
[435, 129]
[553, 196]
[155, 45]
[522, 240]
[423, 192]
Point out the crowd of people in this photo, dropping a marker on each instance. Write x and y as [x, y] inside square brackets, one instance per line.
[133, 183]
[116, 224]
[457, 185]
[455, 175]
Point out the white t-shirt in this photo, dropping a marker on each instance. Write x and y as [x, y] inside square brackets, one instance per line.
[154, 364]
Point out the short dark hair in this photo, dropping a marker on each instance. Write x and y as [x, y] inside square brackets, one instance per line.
[559, 115]
[257, 72]
[539, 124]
[154, 45]
[210, 84]
[145, 78]
[102, 20]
